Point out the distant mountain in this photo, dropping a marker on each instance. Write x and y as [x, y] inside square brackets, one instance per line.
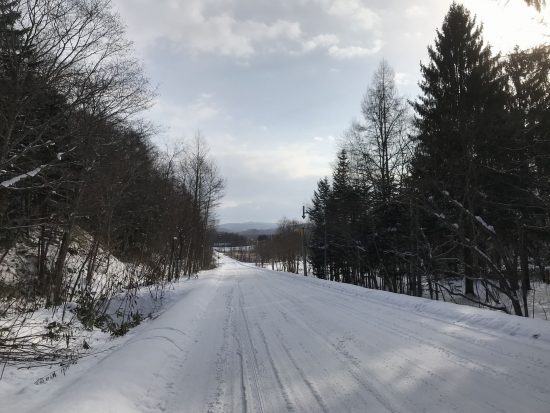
[256, 227]
[255, 233]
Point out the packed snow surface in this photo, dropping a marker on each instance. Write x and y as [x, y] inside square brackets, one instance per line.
[242, 339]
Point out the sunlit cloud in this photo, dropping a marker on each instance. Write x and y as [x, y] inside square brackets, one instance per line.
[355, 11]
[350, 52]
[193, 27]
[415, 11]
[510, 23]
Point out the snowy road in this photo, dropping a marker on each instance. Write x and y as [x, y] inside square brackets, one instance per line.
[250, 340]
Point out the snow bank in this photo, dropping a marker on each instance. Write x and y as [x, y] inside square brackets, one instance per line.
[144, 355]
[461, 315]
[110, 364]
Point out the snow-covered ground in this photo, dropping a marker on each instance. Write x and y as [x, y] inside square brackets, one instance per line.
[243, 339]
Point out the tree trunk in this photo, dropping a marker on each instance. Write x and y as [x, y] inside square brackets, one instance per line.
[56, 295]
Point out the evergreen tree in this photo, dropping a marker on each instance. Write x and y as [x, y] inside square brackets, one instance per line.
[319, 216]
[460, 125]
[23, 109]
[529, 76]
[17, 76]
[527, 169]
[346, 210]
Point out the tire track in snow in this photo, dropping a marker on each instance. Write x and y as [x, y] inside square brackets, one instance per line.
[256, 380]
[308, 383]
[368, 319]
[336, 291]
[341, 349]
[242, 375]
[450, 355]
[222, 355]
[311, 387]
[290, 407]
[344, 358]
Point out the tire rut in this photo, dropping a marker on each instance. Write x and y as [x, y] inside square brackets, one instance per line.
[256, 379]
[308, 383]
[346, 360]
[222, 359]
[451, 356]
[350, 360]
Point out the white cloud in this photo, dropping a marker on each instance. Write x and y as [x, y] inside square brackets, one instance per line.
[322, 41]
[402, 79]
[350, 52]
[355, 11]
[187, 24]
[414, 36]
[510, 23]
[183, 121]
[329, 138]
[291, 161]
[288, 161]
[227, 36]
[331, 44]
[213, 27]
[416, 11]
[233, 203]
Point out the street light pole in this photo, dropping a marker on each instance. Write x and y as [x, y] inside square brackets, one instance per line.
[304, 250]
[326, 245]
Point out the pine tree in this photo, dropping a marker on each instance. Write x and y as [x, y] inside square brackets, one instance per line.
[33, 129]
[528, 161]
[16, 111]
[529, 74]
[459, 121]
[345, 206]
[319, 216]
[12, 56]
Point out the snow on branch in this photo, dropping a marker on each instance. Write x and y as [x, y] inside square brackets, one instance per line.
[14, 180]
[479, 219]
[488, 227]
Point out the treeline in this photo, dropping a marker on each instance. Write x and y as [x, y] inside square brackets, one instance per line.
[230, 239]
[282, 251]
[453, 186]
[75, 156]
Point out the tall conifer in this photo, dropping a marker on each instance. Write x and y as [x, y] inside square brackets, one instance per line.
[319, 216]
[459, 121]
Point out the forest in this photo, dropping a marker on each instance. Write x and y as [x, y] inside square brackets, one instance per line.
[445, 196]
[89, 206]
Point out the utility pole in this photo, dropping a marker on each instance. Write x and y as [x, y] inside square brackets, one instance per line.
[326, 245]
[304, 250]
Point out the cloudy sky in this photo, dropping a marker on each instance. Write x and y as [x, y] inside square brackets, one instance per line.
[272, 84]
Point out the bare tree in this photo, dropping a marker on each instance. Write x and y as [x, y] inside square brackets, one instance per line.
[380, 142]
